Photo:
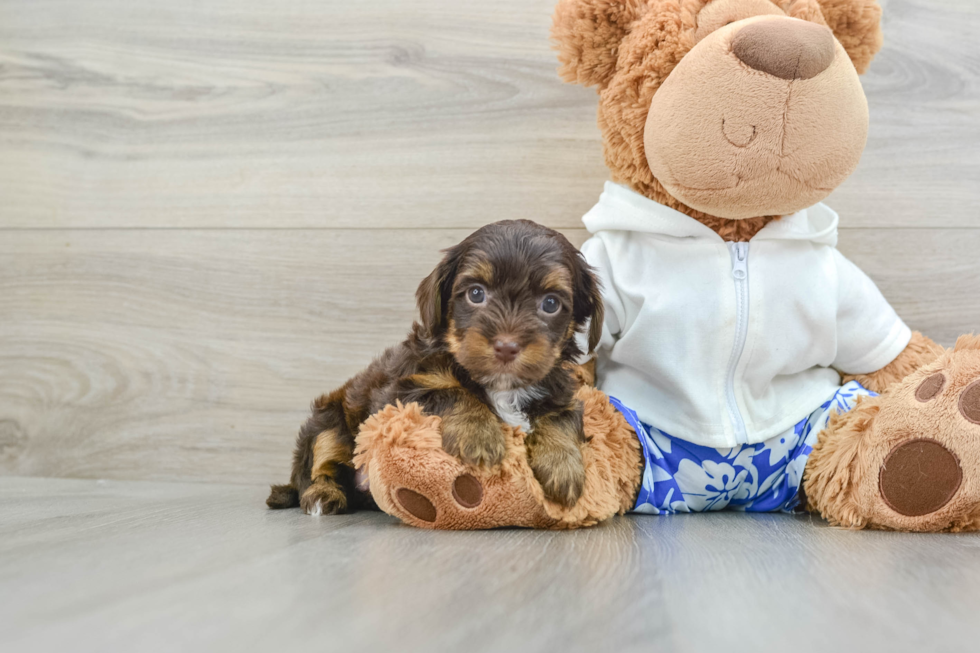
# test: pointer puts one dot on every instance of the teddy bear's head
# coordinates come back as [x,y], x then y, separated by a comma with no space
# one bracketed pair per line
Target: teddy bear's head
[728,109]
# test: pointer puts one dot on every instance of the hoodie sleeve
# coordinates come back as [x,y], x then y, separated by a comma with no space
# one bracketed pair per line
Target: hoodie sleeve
[594,250]
[870,335]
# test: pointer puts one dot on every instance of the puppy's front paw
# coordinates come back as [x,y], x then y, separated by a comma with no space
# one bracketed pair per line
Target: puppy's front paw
[486,449]
[561,473]
[475,441]
[324,497]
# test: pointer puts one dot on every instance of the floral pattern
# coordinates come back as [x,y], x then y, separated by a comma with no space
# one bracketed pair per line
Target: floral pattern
[683,477]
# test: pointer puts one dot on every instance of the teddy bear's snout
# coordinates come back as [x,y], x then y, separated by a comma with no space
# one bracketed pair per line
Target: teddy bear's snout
[763,116]
[787,49]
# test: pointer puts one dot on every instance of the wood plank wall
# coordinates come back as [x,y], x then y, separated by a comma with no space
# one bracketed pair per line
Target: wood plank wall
[212,210]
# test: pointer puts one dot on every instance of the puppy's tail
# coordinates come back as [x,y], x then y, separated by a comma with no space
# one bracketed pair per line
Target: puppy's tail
[283,496]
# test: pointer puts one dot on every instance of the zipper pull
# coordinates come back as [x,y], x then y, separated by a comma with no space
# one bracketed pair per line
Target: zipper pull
[740,261]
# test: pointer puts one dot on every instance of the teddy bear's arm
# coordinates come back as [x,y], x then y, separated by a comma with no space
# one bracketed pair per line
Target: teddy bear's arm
[920,351]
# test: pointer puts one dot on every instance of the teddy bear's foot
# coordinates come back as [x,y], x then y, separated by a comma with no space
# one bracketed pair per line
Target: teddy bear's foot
[413,478]
[909,459]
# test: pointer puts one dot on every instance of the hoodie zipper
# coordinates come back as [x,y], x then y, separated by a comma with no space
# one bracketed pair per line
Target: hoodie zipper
[740,273]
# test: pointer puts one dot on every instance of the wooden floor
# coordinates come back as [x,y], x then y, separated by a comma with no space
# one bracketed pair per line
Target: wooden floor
[136,566]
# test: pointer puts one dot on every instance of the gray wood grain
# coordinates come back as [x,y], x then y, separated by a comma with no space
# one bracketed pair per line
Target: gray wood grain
[323,113]
[211,211]
[193,354]
[921,165]
[129,566]
[429,113]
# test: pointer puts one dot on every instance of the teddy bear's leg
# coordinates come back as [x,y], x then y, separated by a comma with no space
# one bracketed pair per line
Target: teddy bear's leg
[908,459]
[399,450]
[399,453]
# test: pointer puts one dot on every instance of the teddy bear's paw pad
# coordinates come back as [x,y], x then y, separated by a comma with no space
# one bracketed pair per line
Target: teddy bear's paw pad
[468,491]
[930,387]
[969,403]
[919,476]
[416,504]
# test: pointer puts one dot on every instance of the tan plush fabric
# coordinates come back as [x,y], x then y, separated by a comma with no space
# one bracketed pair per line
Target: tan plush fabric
[732,141]
[400,449]
[718,13]
[628,48]
[847,470]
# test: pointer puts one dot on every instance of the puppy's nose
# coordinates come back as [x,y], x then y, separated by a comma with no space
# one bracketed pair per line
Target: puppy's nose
[506,349]
[785,48]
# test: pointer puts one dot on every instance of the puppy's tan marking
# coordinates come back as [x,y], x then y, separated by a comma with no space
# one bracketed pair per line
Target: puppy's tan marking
[481,271]
[452,342]
[439,380]
[475,353]
[329,452]
[538,355]
[558,280]
[570,331]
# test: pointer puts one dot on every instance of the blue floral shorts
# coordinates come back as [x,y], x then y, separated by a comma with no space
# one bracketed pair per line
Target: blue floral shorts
[683,477]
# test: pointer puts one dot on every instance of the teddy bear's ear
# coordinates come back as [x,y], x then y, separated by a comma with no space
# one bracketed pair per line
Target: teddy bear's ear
[857,25]
[587,34]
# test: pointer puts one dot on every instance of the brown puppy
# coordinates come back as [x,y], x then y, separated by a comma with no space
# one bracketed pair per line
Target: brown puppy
[495,344]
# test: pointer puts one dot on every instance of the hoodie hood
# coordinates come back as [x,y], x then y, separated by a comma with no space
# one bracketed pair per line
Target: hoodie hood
[622,209]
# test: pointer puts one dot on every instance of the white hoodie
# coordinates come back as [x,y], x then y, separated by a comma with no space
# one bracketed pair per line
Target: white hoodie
[724,343]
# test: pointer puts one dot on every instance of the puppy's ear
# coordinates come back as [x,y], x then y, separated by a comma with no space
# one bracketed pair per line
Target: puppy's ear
[434,292]
[587,300]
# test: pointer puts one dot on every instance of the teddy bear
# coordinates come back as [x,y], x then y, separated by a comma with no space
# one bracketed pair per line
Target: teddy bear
[744,363]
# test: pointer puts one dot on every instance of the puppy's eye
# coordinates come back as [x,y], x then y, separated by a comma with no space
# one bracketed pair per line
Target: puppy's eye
[476,295]
[550,304]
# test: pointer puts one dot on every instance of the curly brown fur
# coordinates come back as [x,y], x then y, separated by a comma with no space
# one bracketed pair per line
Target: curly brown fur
[498,318]
[835,469]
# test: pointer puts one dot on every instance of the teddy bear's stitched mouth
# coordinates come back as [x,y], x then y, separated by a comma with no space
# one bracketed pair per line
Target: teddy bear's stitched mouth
[739,181]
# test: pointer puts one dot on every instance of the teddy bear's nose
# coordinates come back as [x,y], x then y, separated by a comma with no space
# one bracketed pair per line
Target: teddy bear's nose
[785,48]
